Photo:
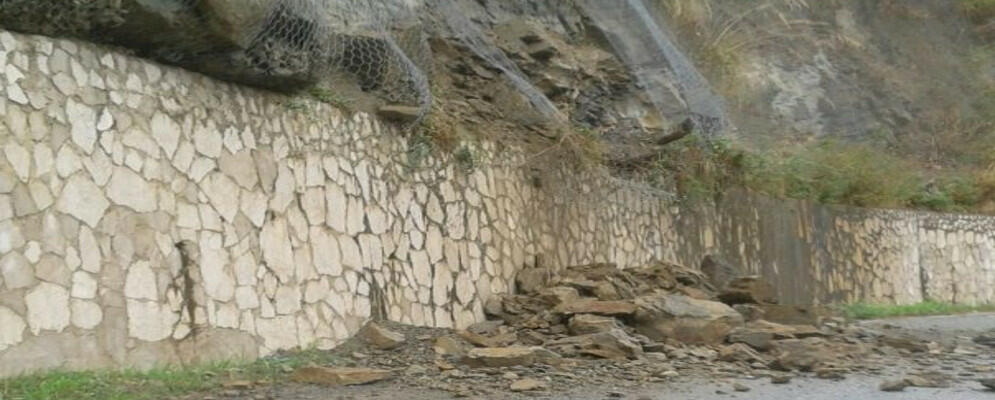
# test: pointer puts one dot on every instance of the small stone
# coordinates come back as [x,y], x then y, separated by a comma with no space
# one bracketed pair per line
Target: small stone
[497,357]
[527,384]
[780,379]
[329,376]
[583,324]
[380,337]
[670,374]
[237,385]
[597,307]
[739,387]
[416,370]
[893,385]
[834,374]
[450,346]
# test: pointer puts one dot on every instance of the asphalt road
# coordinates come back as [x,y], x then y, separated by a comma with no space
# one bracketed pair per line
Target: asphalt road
[939,328]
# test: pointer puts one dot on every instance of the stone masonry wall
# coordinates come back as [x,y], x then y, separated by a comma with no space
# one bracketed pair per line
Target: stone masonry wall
[149,215]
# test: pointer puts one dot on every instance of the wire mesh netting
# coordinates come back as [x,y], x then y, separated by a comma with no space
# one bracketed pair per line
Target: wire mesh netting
[280,44]
[654,59]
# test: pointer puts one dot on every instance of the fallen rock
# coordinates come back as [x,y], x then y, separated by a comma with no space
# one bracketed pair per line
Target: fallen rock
[497,357]
[613,344]
[398,113]
[584,324]
[450,346]
[893,385]
[928,380]
[527,384]
[329,376]
[795,315]
[829,373]
[904,343]
[985,339]
[801,354]
[559,295]
[694,321]
[380,337]
[988,383]
[780,379]
[485,327]
[533,280]
[718,271]
[598,307]
[738,352]
[502,340]
[748,290]
[739,387]
[750,312]
[761,334]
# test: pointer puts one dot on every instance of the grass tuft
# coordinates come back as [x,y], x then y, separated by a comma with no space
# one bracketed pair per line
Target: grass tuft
[879,311]
[156,384]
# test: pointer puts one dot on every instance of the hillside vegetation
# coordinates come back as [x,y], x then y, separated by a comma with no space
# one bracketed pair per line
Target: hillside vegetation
[876,104]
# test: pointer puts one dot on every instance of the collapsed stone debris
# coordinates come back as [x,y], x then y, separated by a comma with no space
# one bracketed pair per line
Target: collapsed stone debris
[599,323]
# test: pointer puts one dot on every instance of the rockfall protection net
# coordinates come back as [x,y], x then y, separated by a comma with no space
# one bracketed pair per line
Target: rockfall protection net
[280,44]
[457,17]
[378,44]
[650,52]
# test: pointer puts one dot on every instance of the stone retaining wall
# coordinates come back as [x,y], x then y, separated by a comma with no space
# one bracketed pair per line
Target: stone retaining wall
[149,215]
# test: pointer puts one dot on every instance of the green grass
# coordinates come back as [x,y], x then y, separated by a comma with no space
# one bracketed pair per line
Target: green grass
[878,311]
[828,172]
[978,10]
[164,383]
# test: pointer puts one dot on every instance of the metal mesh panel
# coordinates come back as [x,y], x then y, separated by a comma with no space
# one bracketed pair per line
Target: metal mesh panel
[288,44]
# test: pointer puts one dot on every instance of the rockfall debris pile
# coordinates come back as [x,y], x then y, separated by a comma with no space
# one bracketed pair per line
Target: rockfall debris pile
[623,328]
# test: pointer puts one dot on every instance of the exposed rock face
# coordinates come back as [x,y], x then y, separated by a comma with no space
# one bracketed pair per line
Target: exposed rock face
[684,319]
[235,21]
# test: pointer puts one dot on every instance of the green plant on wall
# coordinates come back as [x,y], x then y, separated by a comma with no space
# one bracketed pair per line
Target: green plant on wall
[466,158]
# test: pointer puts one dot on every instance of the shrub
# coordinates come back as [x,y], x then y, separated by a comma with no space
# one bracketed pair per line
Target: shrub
[978,11]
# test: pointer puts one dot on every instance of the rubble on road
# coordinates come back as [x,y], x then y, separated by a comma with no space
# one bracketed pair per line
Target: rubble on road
[598,324]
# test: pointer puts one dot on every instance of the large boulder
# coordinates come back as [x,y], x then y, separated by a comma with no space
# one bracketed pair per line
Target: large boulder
[718,271]
[688,320]
[748,290]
